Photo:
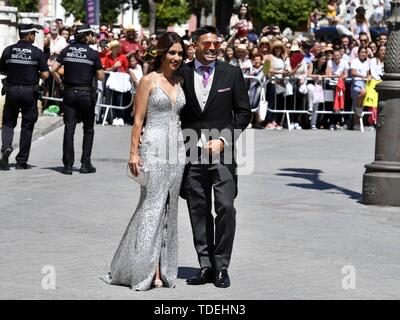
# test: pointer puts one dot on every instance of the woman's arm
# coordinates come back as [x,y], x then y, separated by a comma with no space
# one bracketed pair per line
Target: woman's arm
[234,21]
[310,70]
[374,69]
[355,74]
[115,66]
[141,99]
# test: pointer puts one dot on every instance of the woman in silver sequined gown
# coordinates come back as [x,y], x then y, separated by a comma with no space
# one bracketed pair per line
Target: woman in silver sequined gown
[149,247]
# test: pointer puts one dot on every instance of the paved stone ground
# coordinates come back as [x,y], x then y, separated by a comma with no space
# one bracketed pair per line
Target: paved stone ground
[299,222]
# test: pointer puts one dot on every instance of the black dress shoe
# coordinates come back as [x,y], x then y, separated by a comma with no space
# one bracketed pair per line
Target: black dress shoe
[204,276]
[4,159]
[87,168]
[222,279]
[22,166]
[67,170]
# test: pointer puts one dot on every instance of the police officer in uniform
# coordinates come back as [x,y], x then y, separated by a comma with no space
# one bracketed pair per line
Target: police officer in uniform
[81,65]
[23,64]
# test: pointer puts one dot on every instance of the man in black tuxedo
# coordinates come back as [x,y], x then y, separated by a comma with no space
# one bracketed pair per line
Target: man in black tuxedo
[217,110]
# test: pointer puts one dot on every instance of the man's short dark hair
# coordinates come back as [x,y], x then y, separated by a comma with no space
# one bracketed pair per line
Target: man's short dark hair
[362,48]
[24,35]
[81,37]
[307,45]
[362,33]
[383,34]
[203,30]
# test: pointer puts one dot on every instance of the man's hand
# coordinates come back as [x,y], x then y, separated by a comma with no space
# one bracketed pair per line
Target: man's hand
[214,147]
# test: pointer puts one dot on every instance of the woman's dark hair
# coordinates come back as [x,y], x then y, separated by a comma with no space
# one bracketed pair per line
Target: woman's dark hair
[273,52]
[377,50]
[234,53]
[259,55]
[321,55]
[166,41]
[360,15]
[317,69]
[362,47]
[247,16]
[65,29]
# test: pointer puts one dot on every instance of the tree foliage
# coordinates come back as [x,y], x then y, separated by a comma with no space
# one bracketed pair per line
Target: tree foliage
[24,5]
[75,7]
[109,9]
[168,12]
[197,6]
[284,13]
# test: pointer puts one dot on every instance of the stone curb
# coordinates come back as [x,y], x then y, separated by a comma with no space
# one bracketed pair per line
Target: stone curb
[43,126]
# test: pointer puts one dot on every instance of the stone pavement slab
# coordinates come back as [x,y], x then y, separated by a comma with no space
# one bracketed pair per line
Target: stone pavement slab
[43,126]
[299,223]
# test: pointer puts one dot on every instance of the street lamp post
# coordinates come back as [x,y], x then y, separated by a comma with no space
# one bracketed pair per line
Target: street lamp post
[381,180]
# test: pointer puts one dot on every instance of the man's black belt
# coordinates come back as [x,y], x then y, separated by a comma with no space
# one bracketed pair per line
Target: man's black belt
[20,85]
[79,88]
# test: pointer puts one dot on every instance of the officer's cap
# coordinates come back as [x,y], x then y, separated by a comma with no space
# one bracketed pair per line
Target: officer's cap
[84,28]
[27,28]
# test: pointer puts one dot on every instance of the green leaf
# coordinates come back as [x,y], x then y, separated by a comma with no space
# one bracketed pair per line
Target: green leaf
[284,13]
[168,12]
[24,5]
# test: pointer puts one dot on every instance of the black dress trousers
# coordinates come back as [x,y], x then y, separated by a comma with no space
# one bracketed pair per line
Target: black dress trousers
[201,179]
[78,106]
[19,98]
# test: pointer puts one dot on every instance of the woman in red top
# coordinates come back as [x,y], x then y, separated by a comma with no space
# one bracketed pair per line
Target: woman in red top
[115,60]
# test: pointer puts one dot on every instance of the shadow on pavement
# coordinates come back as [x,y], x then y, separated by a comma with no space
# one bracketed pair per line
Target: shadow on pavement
[312,175]
[59,169]
[187,272]
[13,165]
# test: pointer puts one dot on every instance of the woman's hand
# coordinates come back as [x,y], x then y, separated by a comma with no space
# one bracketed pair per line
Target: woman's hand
[117,64]
[134,164]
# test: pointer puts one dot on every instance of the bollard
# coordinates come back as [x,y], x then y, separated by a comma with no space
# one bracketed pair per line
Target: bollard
[381,180]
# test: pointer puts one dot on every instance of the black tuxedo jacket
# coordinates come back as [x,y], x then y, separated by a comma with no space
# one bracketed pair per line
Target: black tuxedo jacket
[227,110]
[227,107]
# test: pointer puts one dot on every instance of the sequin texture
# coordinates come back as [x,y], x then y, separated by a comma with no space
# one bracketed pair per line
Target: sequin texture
[151,236]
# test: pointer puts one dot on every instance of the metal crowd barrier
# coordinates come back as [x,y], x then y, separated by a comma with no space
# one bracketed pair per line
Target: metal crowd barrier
[105,96]
[262,90]
[329,94]
[108,94]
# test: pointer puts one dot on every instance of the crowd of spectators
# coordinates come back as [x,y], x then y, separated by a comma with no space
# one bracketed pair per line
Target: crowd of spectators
[291,68]
[336,47]
[123,52]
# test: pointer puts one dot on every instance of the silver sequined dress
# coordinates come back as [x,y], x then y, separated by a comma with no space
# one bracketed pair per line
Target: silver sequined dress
[151,235]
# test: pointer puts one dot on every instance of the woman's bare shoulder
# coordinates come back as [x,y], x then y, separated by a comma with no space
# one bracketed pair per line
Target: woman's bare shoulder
[149,80]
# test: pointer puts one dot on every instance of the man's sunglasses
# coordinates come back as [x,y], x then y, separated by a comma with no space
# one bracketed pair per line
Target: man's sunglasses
[207,44]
